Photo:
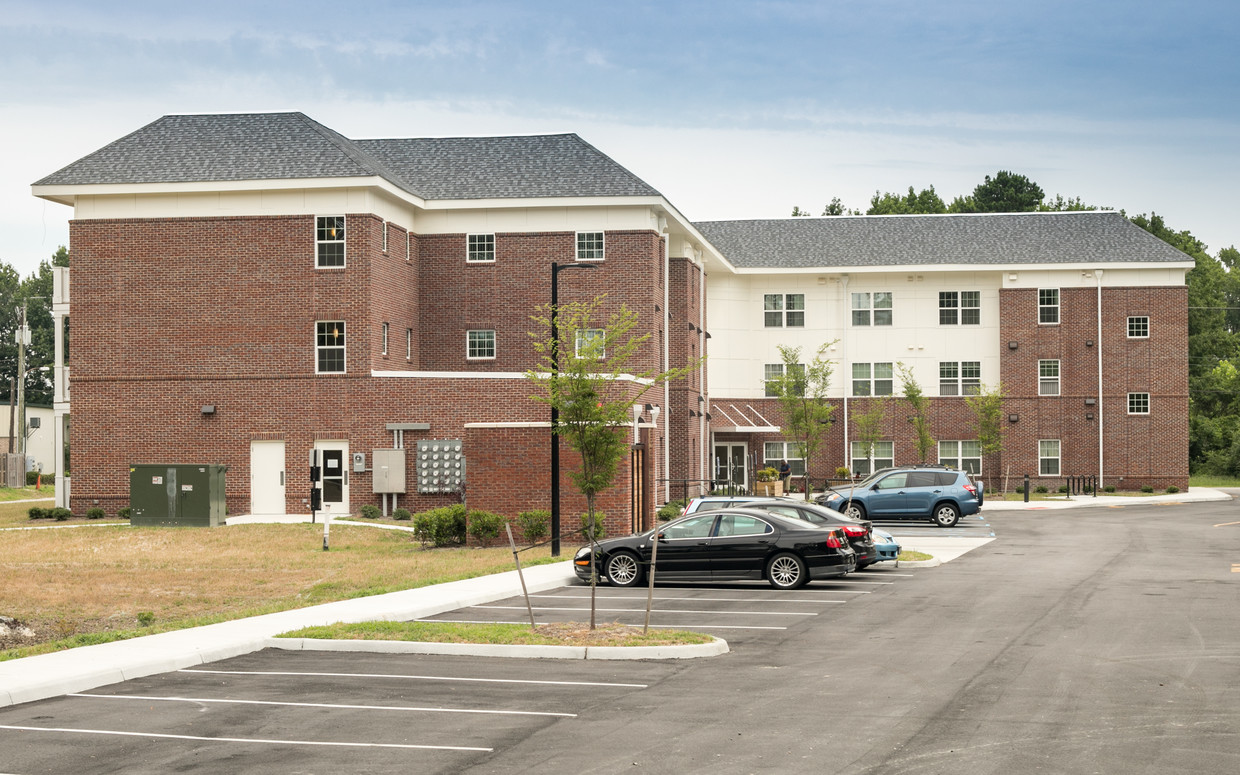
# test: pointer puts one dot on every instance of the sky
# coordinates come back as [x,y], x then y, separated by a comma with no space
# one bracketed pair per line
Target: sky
[730,109]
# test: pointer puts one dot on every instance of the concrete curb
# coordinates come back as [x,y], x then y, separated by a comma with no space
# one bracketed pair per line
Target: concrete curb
[691,651]
[933,562]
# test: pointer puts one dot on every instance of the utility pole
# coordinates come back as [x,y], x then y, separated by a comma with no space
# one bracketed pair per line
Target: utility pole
[23,339]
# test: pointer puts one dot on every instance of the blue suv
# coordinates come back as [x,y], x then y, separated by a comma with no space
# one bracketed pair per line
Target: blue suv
[939,494]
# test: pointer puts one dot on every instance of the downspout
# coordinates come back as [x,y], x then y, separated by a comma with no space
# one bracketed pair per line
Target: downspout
[667,388]
[704,406]
[846,307]
[1101,446]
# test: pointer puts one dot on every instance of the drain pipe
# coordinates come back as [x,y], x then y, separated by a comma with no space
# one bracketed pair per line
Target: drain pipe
[846,306]
[1101,445]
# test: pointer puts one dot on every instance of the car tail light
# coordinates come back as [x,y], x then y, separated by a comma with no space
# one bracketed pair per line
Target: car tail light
[972,489]
[856,531]
[835,540]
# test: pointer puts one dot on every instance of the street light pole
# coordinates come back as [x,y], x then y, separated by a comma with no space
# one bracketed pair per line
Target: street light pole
[555,411]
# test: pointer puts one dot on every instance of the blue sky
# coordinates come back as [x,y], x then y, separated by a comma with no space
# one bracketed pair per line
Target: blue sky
[731,109]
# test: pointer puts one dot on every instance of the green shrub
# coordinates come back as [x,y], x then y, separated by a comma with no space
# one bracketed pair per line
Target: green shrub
[444,526]
[599,530]
[424,528]
[1020,490]
[402,515]
[1041,488]
[1173,489]
[485,525]
[1063,488]
[1147,488]
[1109,488]
[670,510]
[95,513]
[38,512]
[146,618]
[370,511]
[124,512]
[60,514]
[535,525]
[32,478]
[1087,489]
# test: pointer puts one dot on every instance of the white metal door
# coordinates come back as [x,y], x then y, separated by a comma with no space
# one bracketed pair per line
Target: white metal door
[334,456]
[267,477]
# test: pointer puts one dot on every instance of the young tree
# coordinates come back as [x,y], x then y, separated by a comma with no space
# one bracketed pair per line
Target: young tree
[592,376]
[920,405]
[869,425]
[802,392]
[987,408]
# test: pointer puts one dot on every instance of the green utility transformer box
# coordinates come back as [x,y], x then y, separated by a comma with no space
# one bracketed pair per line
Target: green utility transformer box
[176,495]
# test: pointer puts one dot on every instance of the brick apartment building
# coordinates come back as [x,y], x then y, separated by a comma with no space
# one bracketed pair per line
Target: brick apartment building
[247,288]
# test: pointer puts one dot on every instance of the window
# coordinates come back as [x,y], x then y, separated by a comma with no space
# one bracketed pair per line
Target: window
[774,372]
[1048,378]
[385,339]
[1139,327]
[1048,306]
[1048,457]
[385,236]
[408,344]
[875,307]
[1138,403]
[480,344]
[693,527]
[965,455]
[742,525]
[781,310]
[775,452]
[960,308]
[589,246]
[960,379]
[871,379]
[329,241]
[329,346]
[480,248]
[591,341]
[881,456]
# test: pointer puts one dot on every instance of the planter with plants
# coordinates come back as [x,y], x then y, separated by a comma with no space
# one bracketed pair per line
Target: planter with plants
[768,482]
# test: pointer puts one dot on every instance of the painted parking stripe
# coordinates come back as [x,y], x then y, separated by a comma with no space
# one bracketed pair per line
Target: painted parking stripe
[388,676]
[763,600]
[653,626]
[660,610]
[323,705]
[264,741]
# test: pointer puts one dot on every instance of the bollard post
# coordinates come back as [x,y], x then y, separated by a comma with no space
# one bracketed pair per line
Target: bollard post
[1026,488]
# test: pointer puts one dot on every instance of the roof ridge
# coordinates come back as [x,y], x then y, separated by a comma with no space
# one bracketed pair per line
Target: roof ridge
[350,148]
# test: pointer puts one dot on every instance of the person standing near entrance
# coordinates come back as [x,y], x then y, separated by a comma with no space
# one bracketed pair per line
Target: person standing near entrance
[785,471]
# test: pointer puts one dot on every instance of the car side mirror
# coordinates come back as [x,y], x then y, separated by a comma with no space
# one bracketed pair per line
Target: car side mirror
[662,537]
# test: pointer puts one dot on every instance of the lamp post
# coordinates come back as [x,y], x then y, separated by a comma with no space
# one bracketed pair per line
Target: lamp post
[555,411]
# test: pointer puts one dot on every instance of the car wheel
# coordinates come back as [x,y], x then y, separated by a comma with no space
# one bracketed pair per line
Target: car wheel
[624,570]
[862,565]
[786,571]
[946,515]
[855,511]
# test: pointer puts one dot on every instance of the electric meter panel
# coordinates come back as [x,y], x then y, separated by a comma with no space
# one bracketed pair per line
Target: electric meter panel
[440,465]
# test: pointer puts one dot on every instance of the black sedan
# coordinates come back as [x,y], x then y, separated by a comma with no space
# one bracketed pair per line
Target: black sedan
[728,544]
[860,532]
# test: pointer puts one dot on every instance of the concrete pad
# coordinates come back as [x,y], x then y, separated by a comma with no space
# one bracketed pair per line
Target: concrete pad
[691,651]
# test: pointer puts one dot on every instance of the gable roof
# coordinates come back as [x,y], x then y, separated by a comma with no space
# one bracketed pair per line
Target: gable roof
[1090,237]
[291,146]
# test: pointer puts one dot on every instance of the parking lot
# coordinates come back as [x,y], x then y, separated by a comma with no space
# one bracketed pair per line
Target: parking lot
[279,711]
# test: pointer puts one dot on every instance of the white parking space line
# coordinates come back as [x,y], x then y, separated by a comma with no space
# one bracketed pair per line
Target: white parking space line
[146,698]
[264,741]
[389,676]
[864,581]
[659,610]
[653,626]
[764,600]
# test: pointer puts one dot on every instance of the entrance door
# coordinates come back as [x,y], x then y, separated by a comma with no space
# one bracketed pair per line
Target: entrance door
[333,455]
[267,477]
[730,468]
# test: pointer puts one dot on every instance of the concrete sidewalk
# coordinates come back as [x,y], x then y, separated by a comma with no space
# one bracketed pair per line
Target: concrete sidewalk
[1192,495]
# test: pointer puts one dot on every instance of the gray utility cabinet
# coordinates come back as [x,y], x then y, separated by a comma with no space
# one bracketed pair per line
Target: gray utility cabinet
[176,495]
[389,471]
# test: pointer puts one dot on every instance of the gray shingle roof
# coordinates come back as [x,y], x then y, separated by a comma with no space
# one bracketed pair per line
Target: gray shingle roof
[913,240]
[275,146]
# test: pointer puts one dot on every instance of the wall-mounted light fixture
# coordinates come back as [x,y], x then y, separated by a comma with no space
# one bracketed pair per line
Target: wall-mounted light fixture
[1013,417]
[1089,415]
[1013,345]
[1091,401]
[209,409]
[1089,342]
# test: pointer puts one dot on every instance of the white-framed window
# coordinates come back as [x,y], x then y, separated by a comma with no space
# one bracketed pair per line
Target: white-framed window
[329,347]
[882,455]
[480,344]
[872,379]
[775,452]
[408,344]
[408,246]
[590,341]
[773,372]
[1139,327]
[589,246]
[871,308]
[1048,378]
[964,455]
[385,236]
[480,248]
[1048,457]
[963,308]
[329,241]
[960,378]
[385,339]
[1138,403]
[781,310]
[1048,306]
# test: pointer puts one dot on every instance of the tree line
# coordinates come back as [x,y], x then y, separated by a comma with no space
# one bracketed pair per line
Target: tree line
[1213,302]
[34,292]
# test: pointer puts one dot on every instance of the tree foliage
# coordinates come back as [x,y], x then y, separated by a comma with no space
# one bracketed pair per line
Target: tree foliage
[988,423]
[920,405]
[924,202]
[802,392]
[1006,192]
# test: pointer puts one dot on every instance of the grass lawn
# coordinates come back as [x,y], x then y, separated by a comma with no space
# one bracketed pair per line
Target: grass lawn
[76,587]
[1205,480]
[559,634]
[27,493]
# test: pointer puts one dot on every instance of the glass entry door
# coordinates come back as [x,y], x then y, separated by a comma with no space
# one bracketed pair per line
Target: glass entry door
[730,465]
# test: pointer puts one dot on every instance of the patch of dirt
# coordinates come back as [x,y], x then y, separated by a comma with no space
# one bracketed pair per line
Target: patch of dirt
[14,633]
[580,634]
